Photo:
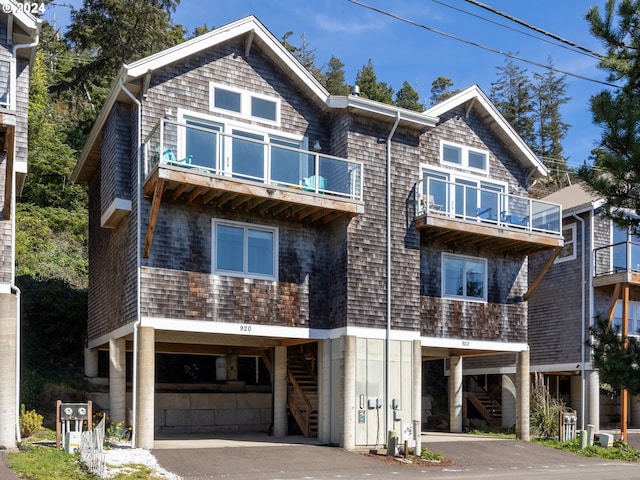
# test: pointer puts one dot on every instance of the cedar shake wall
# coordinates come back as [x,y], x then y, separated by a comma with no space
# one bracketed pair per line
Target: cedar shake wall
[179,283]
[555,308]
[112,252]
[116,163]
[503,317]
[5,228]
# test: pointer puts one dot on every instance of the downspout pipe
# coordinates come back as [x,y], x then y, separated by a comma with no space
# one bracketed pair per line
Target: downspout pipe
[583,331]
[387,365]
[134,386]
[14,288]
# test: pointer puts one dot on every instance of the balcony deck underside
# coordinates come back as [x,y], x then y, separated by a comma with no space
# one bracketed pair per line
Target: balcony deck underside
[471,236]
[605,280]
[264,199]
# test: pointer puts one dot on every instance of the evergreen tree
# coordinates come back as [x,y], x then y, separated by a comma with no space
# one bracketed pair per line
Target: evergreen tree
[334,78]
[550,93]
[370,88]
[617,358]
[512,95]
[441,90]
[408,98]
[304,54]
[615,171]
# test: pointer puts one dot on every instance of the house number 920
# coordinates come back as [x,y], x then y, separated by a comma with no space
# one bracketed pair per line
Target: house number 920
[245,328]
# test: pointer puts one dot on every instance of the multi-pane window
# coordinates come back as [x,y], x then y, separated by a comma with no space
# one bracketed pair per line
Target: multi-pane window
[568,252]
[245,250]
[634,318]
[464,156]
[464,277]
[245,104]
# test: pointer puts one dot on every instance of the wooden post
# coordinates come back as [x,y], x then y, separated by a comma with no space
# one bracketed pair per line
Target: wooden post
[58,425]
[625,333]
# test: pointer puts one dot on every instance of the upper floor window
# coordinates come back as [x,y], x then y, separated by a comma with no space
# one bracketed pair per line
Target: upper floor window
[462,156]
[464,277]
[568,252]
[245,104]
[634,318]
[245,250]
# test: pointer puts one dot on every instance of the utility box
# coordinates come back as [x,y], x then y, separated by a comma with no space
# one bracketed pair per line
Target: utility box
[606,440]
[72,442]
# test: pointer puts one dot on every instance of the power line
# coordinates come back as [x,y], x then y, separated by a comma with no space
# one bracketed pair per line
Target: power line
[478,45]
[532,27]
[560,45]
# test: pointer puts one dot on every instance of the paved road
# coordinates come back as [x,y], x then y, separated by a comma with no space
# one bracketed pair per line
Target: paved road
[475,459]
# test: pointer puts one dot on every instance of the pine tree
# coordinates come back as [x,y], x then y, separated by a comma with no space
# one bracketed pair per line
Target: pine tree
[370,88]
[615,171]
[334,78]
[441,90]
[512,95]
[408,98]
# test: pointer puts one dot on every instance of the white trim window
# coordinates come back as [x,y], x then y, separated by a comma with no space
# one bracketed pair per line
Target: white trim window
[463,156]
[226,99]
[568,252]
[634,318]
[464,277]
[244,250]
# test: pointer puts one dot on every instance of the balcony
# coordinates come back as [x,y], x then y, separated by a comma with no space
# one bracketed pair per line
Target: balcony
[473,218]
[617,263]
[245,172]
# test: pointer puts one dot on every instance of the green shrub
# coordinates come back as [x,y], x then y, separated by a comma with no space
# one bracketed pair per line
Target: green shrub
[544,410]
[30,422]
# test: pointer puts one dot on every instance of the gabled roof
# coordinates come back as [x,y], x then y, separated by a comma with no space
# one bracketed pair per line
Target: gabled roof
[575,199]
[23,27]
[473,98]
[132,77]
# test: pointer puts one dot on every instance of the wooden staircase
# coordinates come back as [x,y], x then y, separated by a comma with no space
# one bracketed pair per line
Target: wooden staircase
[302,386]
[487,406]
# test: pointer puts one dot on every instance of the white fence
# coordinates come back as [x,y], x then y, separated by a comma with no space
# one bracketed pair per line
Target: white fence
[91,452]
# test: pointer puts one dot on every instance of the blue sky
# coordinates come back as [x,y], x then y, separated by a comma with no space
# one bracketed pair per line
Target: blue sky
[401,51]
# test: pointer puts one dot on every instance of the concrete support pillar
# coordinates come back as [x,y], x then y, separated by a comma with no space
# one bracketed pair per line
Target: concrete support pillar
[232,367]
[508,402]
[146,388]
[117,380]
[455,394]
[593,399]
[91,362]
[348,441]
[417,393]
[8,379]
[324,391]
[280,427]
[522,395]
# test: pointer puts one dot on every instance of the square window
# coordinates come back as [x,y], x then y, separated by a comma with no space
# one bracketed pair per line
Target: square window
[227,99]
[245,250]
[477,160]
[464,277]
[568,252]
[451,154]
[263,108]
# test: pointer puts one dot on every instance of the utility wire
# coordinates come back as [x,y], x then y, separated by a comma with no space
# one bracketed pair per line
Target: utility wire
[560,45]
[532,27]
[484,47]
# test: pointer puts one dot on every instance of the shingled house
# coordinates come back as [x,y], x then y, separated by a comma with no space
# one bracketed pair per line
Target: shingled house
[18,41]
[315,248]
[599,270]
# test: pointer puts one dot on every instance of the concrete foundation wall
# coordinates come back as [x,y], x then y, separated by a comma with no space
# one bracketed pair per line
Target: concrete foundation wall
[8,413]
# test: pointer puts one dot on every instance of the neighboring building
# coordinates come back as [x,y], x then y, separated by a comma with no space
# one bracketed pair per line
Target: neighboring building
[18,40]
[598,271]
[314,248]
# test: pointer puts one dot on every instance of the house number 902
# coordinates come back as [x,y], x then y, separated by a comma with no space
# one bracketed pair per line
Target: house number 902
[245,328]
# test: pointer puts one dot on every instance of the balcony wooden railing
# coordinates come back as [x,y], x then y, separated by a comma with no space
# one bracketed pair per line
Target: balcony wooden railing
[246,157]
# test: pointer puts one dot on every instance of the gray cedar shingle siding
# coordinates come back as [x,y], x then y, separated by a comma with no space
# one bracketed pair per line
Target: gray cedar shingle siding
[116,153]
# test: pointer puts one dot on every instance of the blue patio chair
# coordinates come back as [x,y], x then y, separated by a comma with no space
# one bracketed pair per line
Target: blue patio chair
[309,183]
[485,214]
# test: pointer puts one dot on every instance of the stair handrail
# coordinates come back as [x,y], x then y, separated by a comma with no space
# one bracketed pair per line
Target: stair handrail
[491,396]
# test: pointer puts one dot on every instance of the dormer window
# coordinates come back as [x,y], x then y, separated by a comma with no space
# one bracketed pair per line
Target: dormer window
[454,154]
[245,104]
